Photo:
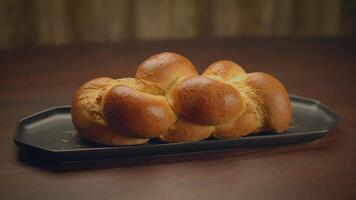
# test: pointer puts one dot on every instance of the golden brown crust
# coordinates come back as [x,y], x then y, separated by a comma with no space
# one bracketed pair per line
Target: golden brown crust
[225,69]
[168,100]
[164,69]
[206,101]
[185,131]
[140,114]
[87,118]
[241,126]
[275,100]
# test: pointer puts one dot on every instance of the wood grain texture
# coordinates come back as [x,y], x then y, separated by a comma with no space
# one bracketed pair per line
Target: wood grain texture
[331,17]
[100,20]
[13,24]
[224,18]
[283,17]
[306,22]
[162,19]
[50,22]
[323,69]
[60,22]
[348,18]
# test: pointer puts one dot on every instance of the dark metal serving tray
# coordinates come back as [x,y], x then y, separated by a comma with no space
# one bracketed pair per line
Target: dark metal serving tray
[51,134]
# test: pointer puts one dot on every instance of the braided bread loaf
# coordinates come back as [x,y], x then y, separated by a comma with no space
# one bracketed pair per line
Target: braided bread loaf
[168,100]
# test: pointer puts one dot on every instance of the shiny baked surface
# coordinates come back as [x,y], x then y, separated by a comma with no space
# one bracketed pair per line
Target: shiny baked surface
[167,99]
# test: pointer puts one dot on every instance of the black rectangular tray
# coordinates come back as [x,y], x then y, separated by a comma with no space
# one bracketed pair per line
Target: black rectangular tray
[50,133]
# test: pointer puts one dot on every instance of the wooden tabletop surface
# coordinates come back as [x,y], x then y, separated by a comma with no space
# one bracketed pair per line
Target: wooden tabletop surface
[324,69]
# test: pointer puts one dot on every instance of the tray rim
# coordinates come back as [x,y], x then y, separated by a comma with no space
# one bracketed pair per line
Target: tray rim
[21,143]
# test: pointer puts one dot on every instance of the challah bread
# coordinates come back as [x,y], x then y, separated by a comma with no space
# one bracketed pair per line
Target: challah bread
[87,116]
[168,100]
[206,101]
[140,114]
[267,105]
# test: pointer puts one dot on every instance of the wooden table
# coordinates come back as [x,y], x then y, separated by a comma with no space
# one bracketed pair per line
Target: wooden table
[323,69]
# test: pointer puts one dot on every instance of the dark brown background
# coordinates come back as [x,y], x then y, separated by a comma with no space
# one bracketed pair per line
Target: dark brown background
[28,23]
[324,69]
